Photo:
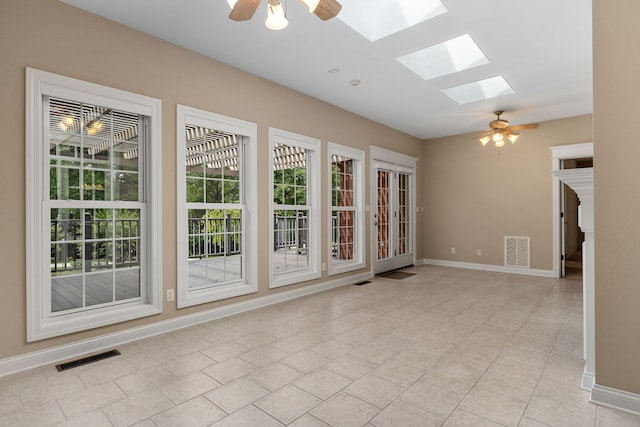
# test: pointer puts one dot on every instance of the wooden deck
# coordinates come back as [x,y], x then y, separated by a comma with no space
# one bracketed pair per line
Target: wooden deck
[66,290]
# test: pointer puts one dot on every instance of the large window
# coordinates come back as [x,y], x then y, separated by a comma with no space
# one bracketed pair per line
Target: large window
[92,199]
[346,214]
[295,199]
[216,197]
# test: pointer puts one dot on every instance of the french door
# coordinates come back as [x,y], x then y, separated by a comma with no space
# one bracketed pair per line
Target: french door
[393,216]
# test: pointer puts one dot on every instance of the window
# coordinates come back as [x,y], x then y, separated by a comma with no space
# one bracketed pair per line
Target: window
[295,199]
[93,205]
[346,215]
[216,175]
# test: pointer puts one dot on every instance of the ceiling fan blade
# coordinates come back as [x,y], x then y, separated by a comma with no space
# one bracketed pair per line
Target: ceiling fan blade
[327,9]
[244,10]
[527,126]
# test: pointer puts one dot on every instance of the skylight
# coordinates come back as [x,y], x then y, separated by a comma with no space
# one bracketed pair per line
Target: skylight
[375,19]
[477,91]
[445,58]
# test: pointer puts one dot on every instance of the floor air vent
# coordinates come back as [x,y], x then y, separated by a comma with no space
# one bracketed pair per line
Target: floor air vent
[516,251]
[87,360]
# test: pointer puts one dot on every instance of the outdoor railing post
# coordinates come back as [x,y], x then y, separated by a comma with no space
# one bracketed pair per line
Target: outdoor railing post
[227,240]
[88,228]
[275,231]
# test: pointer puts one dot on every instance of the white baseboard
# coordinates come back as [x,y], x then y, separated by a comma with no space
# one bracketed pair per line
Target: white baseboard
[614,398]
[488,267]
[73,350]
[588,380]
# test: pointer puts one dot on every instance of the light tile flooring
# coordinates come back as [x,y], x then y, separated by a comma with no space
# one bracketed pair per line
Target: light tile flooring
[446,347]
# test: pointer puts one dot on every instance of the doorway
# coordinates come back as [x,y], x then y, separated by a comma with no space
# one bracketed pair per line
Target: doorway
[565,209]
[393,213]
[572,236]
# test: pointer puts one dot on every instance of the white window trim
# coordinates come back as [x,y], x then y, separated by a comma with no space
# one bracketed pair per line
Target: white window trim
[358,176]
[313,200]
[187,115]
[40,323]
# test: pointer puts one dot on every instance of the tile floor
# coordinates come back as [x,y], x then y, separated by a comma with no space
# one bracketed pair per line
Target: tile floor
[446,347]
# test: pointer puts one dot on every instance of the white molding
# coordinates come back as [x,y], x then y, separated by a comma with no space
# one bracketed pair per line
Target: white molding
[487,267]
[41,323]
[581,181]
[572,151]
[588,380]
[35,359]
[614,398]
[378,153]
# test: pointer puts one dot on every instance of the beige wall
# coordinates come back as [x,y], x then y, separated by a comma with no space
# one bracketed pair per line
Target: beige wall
[617,194]
[475,195]
[54,37]
[472,196]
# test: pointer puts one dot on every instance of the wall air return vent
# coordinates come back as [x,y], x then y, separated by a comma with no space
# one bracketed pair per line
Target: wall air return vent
[516,251]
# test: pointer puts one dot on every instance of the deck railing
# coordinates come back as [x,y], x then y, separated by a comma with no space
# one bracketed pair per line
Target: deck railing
[290,232]
[214,236]
[99,242]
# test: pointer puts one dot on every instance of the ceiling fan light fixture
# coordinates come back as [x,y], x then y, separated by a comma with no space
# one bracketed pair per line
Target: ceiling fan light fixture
[276,18]
[232,3]
[500,131]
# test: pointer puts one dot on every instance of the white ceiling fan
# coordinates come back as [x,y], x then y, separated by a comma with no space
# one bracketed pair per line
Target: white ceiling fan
[500,130]
[243,10]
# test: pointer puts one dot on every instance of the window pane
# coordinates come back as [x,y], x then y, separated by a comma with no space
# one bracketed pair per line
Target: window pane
[195,190]
[99,288]
[66,293]
[215,238]
[382,215]
[64,183]
[290,240]
[127,284]
[403,214]
[231,192]
[343,235]
[342,179]
[125,186]
[214,191]
[96,185]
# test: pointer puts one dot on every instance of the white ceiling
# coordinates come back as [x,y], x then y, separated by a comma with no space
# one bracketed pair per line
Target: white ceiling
[541,47]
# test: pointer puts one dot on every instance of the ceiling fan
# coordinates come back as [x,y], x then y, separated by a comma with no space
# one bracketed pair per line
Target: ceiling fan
[500,130]
[243,10]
